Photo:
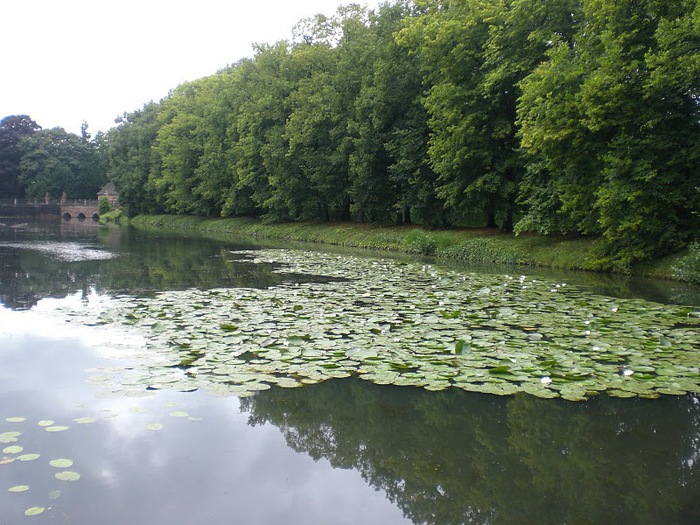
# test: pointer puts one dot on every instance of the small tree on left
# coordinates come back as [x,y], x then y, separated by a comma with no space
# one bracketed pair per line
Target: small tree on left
[12,130]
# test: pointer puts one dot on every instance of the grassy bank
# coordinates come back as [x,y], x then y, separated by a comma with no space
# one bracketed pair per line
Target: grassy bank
[473,245]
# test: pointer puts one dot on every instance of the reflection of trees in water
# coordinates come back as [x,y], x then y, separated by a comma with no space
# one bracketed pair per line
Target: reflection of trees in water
[24,279]
[612,285]
[144,264]
[454,457]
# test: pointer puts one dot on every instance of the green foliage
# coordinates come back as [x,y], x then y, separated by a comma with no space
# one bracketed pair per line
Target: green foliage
[420,242]
[428,242]
[103,205]
[12,130]
[486,250]
[576,117]
[116,216]
[55,162]
[132,160]
[611,125]
[688,268]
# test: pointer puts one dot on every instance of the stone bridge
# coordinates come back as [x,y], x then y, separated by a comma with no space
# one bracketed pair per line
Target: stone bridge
[67,209]
[79,209]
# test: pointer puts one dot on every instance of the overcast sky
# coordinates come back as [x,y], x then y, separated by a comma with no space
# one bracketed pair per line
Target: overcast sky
[63,62]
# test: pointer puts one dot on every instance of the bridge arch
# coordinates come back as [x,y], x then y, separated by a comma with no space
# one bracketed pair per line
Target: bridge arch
[66,216]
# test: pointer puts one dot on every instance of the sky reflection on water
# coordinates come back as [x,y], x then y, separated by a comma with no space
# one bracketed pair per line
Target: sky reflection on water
[215,470]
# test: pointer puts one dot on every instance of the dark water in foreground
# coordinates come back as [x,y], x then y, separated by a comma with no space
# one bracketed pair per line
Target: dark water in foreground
[342,451]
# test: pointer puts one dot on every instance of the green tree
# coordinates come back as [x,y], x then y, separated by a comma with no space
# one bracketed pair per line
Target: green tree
[258,156]
[316,131]
[178,148]
[611,125]
[56,162]
[390,179]
[473,56]
[449,37]
[12,130]
[132,159]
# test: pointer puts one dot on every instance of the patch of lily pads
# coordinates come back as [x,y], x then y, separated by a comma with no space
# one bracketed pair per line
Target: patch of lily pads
[407,324]
[14,453]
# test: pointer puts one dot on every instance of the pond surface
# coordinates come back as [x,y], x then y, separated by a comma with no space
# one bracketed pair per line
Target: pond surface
[155,378]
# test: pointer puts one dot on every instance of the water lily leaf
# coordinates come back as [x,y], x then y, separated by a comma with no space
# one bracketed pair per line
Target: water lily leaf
[67,475]
[28,457]
[33,511]
[15,419]
[179,413]
[57,428]
[16,449]
[154,426]
[405,324]
[45,423]
[9,437]
[55,494]
[61,463]
[18,488]
[84,420]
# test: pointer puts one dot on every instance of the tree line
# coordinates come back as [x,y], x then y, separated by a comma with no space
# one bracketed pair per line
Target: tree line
[575,117]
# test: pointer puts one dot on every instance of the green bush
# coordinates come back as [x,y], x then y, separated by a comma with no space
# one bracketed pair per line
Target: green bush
[422,243]
[688,268]
[103,205]
[484,250]
[116,216]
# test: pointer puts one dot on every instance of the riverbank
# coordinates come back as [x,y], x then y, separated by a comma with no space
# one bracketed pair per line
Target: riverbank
[469,245]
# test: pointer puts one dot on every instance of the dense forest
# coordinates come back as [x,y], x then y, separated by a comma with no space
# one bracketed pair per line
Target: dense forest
[575,117]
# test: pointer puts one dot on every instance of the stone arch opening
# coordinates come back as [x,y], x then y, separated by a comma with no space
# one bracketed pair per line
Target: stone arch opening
[66,216]
[81,216]
[95,217]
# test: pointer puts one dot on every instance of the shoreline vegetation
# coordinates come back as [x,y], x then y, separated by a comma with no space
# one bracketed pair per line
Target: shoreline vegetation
[474,245]
[574,126]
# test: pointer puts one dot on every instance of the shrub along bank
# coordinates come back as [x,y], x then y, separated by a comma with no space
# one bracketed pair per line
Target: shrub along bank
[469,245]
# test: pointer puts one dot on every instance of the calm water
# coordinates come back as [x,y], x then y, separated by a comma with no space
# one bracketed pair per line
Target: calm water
[342,451]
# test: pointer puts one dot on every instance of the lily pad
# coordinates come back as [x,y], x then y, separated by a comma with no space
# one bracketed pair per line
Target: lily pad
[57,428]
[9,437]
[18,488]
[84,420]
[33,511]
[28,457]
[67,475]
[429,327]
[15,419]
[16,449]
[61,463]
[154,426]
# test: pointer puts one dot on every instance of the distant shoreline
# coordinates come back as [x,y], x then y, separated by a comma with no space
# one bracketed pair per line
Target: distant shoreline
[477,245]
